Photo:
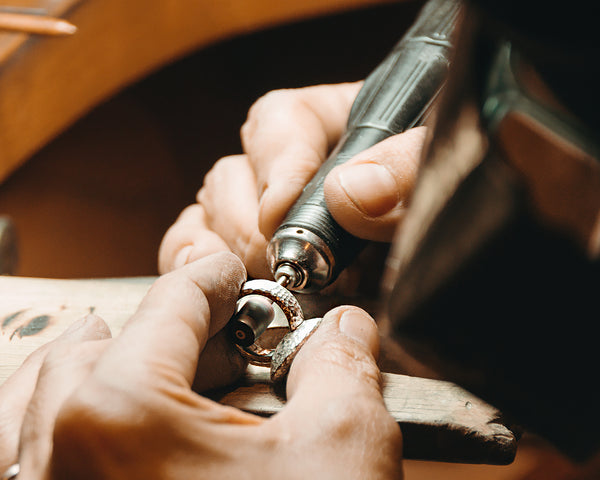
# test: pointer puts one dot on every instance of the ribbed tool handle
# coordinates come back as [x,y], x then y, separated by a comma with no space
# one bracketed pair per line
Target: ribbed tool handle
[396,96]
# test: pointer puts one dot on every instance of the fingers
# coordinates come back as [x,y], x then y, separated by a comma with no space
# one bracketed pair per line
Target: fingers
[17,391]
[224,219]
[334,395]
[230,199]
[287,136]
[368,195]
[15,394]
[65,368]
[160,345]
[189,238]
[219,364]
[339,359]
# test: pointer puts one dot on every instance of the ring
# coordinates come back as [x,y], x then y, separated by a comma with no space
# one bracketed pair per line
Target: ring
[260,352]
[288,347]
[11,472]
[279,295]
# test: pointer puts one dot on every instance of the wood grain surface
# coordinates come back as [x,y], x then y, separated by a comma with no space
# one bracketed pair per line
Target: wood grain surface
[440,420]
[34,311]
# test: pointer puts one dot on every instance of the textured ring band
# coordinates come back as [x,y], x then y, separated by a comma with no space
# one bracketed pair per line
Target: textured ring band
[11,472]
[280,296]
[258,354]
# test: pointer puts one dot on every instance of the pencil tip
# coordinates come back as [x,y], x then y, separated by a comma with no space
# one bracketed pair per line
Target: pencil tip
[66,28]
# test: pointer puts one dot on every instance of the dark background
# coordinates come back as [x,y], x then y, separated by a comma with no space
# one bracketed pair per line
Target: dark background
[107,189]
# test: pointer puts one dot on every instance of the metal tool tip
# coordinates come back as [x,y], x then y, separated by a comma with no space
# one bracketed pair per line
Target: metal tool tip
[287,276]
[283,280]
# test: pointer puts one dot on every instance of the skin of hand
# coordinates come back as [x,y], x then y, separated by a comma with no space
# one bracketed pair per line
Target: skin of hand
[127,407]
[287,136]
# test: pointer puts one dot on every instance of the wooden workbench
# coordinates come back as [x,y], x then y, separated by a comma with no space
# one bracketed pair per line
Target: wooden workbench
[48,83]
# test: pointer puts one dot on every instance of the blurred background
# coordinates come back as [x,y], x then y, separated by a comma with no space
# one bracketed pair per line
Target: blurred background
[96,201]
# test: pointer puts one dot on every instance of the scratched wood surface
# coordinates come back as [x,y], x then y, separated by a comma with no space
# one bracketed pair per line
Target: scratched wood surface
[34,311]
[440,420]
[48,83]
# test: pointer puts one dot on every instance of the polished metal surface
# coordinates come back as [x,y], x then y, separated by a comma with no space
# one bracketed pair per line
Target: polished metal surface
[251,319]
[305,254]
[288,347]
[260,352]
[279,295]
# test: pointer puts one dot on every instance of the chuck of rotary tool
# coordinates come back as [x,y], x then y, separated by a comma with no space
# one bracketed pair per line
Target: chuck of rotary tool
[300,260]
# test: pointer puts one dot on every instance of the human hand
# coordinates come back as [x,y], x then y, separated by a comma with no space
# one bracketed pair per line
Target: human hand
[127,409]
[71,355]
[286,138]
[31,398]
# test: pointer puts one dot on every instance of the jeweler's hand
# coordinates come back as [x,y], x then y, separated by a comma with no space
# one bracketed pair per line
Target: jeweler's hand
[31,398]
[130,412]
[286,138]
[71,354]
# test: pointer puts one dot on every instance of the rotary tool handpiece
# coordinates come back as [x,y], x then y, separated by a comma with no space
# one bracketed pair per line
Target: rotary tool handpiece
[309,249]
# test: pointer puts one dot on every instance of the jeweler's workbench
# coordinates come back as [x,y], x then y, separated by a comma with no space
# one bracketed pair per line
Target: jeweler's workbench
[439,419]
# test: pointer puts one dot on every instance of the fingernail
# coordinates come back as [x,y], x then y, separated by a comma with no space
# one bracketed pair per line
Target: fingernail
[75,326]
[371,187]
[182,257]
[358,326]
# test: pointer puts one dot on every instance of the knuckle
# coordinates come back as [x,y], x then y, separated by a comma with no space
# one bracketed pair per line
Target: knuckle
[99,413]
[180,229]
[218,177]
[269,103]
[172,243]
[247,129]
[271,99]
[357,362]
[203,195]
[210,178]
[340,420]
[389,431]
[187,292]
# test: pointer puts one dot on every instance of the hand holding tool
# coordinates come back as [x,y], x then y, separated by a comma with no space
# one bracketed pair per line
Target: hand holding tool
[310,249]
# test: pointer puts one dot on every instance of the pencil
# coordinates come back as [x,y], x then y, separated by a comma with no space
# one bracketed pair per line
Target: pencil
[39,24]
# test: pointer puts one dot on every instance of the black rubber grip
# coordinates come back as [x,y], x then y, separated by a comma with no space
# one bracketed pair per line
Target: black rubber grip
[396,96]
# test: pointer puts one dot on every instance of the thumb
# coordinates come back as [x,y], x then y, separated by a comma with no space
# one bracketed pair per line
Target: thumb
[335,403]
[338,359]
[368,195]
